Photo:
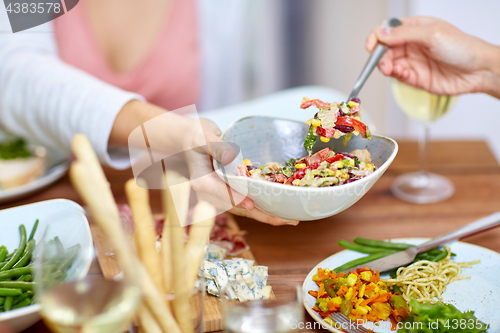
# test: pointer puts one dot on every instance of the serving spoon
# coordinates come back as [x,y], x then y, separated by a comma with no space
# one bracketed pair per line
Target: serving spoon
[372,61]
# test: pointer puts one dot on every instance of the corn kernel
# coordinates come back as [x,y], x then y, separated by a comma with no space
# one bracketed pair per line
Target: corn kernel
[355,133]
[338,164]
[349,294]
[383,292]
[330,321]
[358,118]
[247,162]
[362,310]
[316,122]
[366,275]
[362,290]
[352,104]
[309,122]
[337,134]
[324,139]
[369,167]
[300,166]
[351,279]
[337,300]
[296,182]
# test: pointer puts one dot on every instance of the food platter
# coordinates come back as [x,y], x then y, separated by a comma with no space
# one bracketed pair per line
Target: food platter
[56,167]
[67,221]
[480,293]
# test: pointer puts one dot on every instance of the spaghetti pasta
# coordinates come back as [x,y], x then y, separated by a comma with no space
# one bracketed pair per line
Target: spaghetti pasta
[426,281]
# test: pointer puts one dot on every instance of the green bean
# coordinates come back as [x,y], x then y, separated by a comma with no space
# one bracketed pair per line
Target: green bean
[28,252]
[15,272]
[3,253]
[33,230]
[362,260]
[8,303]
[26,278]
[10,292]
[59,246]
[381,244]
[10,254]
[17,285]
[23,296]
[68,261]
[23,303]
[18,252]
[360,248]
[440,256]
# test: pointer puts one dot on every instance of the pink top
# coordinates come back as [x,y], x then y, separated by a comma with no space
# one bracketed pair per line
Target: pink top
[169,76]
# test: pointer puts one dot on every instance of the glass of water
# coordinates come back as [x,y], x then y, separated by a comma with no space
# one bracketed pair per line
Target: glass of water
[281,313]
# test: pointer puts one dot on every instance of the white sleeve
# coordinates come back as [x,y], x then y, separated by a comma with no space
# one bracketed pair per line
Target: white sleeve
[47,101]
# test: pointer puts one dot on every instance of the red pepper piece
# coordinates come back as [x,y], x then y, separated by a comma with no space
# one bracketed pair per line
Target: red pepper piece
[358,126]
[335,158]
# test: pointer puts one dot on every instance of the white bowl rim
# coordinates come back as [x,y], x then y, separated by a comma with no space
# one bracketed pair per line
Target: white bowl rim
[30,309]
[381,169]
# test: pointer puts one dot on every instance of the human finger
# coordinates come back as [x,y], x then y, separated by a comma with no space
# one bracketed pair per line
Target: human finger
[404,34]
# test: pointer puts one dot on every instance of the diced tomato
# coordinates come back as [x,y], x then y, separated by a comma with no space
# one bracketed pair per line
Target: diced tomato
[280,178]
[335,158]
[325,132]
[242,170]
[358,126]
[320,156]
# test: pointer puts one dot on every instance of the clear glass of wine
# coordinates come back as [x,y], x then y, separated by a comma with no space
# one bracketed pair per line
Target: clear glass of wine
[281,313]
[74,302]
[422,186]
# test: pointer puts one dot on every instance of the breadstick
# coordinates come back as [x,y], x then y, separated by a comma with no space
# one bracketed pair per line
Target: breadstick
[88,178]
[199,236]
[148,323]
[145,231]
[181,305]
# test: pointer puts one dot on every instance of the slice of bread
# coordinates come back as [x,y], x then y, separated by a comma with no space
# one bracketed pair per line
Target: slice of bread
[20,171]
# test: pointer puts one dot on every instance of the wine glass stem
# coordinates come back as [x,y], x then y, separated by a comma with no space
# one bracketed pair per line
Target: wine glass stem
[424,153]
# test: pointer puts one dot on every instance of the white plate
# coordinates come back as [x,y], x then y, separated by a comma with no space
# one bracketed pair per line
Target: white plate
[59,217]
[57,165]
[481,293]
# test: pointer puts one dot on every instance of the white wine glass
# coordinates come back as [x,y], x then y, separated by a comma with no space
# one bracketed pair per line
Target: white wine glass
[422,186]
[72,303]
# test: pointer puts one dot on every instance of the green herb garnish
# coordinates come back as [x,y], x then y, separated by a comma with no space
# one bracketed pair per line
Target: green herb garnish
[289,169]
[12,149]
[310,141]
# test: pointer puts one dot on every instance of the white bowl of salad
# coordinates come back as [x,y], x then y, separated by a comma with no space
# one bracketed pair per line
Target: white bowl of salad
[309,179]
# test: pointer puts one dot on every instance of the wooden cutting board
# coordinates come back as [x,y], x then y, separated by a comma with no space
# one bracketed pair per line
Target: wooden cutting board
[212,319]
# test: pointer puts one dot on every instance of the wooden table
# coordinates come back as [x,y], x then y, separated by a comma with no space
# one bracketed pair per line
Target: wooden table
[291,252]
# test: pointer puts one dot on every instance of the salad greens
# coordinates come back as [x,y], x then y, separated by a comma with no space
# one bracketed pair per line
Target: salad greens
[12,149]
[440,317]
[310,141]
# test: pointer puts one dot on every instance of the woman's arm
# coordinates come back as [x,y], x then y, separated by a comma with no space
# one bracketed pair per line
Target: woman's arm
[48,101]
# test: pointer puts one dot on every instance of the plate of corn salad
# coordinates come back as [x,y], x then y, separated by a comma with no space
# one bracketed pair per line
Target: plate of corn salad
[323,169]
[334,120]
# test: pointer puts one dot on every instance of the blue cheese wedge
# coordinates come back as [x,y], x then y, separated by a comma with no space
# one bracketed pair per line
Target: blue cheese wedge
[215,252]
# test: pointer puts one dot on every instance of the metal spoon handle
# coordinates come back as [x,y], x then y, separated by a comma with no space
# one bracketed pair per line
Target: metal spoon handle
[487,222]
[372,61]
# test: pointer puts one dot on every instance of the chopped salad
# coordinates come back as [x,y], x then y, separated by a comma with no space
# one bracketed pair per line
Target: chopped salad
[324,168]
[334,120]
[359,295]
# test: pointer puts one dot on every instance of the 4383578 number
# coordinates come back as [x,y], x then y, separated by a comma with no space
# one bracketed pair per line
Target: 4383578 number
[26,7]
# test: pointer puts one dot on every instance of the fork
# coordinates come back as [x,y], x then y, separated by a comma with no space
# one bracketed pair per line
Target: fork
[347,325]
